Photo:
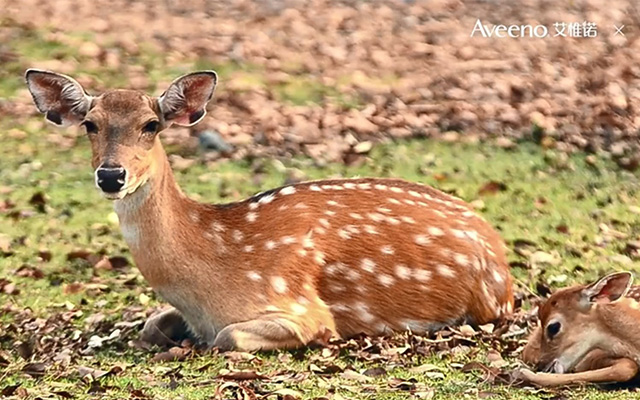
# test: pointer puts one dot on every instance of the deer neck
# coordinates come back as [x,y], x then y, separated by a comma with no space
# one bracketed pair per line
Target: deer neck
[154,215]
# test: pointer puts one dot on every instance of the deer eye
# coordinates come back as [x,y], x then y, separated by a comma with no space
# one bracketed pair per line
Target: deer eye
[553,329]
[151,127]
[90,127]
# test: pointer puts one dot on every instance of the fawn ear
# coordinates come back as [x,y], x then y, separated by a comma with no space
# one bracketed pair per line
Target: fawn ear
[185,101]
[609,288]
[59,97]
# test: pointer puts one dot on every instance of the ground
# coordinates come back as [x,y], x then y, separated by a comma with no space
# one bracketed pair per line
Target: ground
[73,304]
[541,136]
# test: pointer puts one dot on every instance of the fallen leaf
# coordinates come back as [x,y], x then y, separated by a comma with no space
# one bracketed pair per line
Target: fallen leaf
[34,369]
[242,376]
[492,187]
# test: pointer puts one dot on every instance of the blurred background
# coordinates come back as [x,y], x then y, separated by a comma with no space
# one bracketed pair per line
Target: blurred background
[323,77]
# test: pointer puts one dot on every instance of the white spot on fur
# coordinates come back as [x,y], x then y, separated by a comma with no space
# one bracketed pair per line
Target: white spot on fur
[251,217]
[408,220]
[319,230]
[393,221]
[287,240]
[355,216]
[333,203]
[439,213]
[414,193]
[363,312]
[381,187]
[253,206]
[377,217]
[402,271]
[315,188]
[396,189]
[421,275]
[387,249]
[300,206]
[422,240]
[279,284]
[497,277]
[269,245]
[461,259]
[368,265]
[319,257]
[298,309]
[445,270]
[458,233]
[370,229]
[324,222]
[307,241]
[409,202]
[248,248]
[329,213]
[353,275]
[254,276]
[338,288]
[394,201]
[364,186]
[349,185]
[383,210]
[237,236]
[287,190]
[435,231]
[344,234]
[385,280]
[468,214]
[266,199]
[340,308]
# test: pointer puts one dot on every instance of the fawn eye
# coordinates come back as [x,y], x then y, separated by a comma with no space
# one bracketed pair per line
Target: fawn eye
[553,329]
[151,127]
[90,127]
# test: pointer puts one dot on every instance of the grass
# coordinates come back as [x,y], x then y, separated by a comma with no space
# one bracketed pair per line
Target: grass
[555,205]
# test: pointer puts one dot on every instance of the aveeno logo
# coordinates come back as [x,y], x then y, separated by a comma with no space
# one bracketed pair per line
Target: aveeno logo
[512,31]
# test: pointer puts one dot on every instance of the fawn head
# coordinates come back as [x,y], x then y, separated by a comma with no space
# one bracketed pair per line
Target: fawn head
[569,328]
[122,125]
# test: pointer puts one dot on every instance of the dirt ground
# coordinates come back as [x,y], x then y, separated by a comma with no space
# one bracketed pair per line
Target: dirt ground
[397,69]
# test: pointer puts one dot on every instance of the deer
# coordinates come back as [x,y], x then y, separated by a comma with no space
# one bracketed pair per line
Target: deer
[287,267]
[587,334]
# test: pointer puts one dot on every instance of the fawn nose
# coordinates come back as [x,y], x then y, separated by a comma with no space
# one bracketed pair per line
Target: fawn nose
[110,178]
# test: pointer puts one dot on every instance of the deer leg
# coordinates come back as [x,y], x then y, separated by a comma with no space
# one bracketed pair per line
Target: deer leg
[273,331]
[620,370]
[166,328]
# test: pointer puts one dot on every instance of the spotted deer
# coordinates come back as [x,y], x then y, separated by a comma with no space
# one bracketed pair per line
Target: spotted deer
[288,266]
[587,333]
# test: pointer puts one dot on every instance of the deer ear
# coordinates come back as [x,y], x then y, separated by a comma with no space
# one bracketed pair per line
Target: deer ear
[185,101]
[60,98]
[609,288]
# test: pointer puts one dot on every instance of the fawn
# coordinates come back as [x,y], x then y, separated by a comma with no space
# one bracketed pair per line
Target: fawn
[590,330]
[288,266]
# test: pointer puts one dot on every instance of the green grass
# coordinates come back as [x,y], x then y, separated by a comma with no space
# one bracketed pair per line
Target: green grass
[555,204]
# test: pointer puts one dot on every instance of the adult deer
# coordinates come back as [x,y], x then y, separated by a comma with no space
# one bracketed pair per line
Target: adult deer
[288,266]
[587,333]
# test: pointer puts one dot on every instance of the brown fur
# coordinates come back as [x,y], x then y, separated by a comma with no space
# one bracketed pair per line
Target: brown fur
[283,268]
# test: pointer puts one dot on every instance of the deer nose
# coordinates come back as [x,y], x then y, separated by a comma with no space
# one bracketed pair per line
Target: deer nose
[110,178]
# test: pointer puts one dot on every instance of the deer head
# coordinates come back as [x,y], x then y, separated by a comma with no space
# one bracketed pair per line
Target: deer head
[571,326]
[122,125]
